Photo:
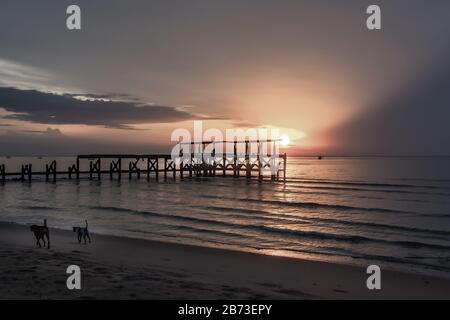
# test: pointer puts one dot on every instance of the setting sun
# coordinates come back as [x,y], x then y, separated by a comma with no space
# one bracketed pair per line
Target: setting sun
[285,140]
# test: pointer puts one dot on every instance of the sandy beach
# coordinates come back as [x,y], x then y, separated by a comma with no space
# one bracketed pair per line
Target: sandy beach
[121,268]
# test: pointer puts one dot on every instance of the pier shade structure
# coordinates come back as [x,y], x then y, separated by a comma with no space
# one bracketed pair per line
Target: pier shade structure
[247,158]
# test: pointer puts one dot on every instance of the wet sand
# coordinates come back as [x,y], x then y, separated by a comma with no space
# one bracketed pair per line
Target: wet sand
[122,268]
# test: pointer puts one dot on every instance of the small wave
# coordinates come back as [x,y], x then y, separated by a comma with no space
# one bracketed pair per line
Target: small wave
[365,184]
[381,226]
[315,205]
[392,259]
[300,186]
[350,238]
[232,209]
[287,232]
[335,221]
[37,208]
[438,215]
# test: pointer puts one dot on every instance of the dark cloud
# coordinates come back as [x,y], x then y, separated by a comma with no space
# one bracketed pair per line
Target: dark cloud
[412,121]
[46,108]
[245,124]
[105,97]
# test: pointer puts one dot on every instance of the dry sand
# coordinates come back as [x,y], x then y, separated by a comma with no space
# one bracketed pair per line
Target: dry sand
[120,268]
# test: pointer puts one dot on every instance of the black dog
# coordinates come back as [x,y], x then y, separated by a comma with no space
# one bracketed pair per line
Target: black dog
[82,233]
[40,232]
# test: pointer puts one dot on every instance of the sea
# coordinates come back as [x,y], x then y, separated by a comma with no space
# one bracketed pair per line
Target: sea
[393,212]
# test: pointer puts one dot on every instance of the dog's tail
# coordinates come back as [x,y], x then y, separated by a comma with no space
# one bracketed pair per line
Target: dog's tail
[86,223]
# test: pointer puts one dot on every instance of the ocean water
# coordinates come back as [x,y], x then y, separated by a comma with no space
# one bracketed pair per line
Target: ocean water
[394,212]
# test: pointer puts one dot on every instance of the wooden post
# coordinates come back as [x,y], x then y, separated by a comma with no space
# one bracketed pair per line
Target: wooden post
[191,164]
[50,169]
[99,163]
[181,154]
[152,165]
[181,168]
[248,164]
[214,164]
[26,171]
[115,166]
[133,166]
[235,160]
[90,170]
[120,168]
[130,170]
[258,161]
[95,167]
[78,168]
[278,169]
[71,170]
[2,173]
[165,168]
[224,161]
[273,175]
[157,168]
[204,164]
[111,170]
[174,163]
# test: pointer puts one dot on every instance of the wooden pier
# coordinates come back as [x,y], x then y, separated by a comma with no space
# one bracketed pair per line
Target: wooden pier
[196,164]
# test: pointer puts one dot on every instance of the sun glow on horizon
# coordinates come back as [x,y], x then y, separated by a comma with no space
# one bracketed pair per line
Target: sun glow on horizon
[285,141]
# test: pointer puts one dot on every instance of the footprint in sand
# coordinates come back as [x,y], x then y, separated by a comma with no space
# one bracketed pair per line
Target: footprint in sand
[340,291]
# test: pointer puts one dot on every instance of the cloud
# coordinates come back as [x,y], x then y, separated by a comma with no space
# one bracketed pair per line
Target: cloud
[48,132]
[245,124]
[68,109]
[413,121]
[13,74]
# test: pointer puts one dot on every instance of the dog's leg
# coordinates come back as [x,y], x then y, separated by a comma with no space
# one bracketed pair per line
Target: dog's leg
[48,240]
[89,237]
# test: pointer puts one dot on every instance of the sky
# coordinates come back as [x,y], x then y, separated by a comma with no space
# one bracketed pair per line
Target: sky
[137,70]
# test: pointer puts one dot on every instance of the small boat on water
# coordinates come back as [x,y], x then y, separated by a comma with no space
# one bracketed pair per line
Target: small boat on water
[319,158]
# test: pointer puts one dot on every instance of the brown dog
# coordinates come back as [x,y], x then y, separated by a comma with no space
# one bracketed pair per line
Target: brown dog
[40,232]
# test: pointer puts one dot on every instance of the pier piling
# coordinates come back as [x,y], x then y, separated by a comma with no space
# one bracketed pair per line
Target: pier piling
[2,173]
[50,169]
